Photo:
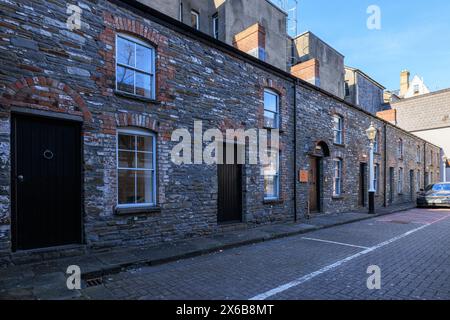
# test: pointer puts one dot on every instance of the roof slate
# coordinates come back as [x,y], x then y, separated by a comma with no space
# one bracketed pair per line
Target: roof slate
[429,111]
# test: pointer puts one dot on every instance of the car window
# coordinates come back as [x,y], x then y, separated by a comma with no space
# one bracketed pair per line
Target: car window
[441,187]
[429,187]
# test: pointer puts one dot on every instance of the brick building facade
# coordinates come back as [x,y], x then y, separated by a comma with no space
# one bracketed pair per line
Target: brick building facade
[51,72]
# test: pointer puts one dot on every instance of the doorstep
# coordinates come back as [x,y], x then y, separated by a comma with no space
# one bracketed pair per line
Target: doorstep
[98,264]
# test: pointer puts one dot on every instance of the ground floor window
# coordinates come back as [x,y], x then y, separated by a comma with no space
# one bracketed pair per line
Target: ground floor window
[337,178]
[271,178]
[418,181]
[136,168]
[376,178]
[400,181]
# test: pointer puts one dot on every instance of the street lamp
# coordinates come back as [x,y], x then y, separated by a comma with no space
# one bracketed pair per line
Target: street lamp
[371,134]
[444,174]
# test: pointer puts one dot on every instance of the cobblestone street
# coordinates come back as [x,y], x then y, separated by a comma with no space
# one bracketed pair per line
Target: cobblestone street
[411,248]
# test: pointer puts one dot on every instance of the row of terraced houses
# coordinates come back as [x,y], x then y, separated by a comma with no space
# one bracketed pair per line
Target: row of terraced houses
[88,111]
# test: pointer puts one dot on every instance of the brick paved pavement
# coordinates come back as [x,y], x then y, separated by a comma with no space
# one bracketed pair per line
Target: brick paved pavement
[413,267]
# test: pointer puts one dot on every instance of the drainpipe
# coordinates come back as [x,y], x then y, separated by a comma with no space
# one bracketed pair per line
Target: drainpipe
[295,151]
[385,166]
[425,165]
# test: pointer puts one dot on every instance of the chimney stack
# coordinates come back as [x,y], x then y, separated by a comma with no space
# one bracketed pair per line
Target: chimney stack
[252,41]
[404,82]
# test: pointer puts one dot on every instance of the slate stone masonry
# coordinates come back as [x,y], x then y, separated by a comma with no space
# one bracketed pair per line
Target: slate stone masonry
[47,67]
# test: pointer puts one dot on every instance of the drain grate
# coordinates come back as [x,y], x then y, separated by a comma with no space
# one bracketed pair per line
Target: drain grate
[94,282]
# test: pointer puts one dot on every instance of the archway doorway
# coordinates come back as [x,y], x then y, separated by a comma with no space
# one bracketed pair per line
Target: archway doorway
[315,188]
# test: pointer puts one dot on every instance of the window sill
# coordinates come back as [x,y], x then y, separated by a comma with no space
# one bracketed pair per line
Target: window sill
[339,145]
[272,201]
[337,197]
[267,128]
[125,211]
[135,97]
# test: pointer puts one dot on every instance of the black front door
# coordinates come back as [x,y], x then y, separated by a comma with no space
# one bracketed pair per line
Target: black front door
[230,189]
[46,182]
[362,184]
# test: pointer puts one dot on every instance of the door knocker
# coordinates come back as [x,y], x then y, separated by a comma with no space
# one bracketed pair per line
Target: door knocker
[48,154]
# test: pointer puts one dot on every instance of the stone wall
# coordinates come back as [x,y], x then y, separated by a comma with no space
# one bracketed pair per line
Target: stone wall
[47,67]
[315,125]
[363,92]
[194,82]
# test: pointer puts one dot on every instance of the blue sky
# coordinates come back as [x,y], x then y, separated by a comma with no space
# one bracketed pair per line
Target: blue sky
[414,35]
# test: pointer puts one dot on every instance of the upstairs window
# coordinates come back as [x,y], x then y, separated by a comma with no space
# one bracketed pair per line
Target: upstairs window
[271,103]
[136,164]
[338,125]
[416,89]
[195,20]
[215,25]
[418,152]
[135,67]
[376,144]
[347,89]
[400,149]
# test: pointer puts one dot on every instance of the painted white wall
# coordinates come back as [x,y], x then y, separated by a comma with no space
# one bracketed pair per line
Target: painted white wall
[440,137]
[416,82]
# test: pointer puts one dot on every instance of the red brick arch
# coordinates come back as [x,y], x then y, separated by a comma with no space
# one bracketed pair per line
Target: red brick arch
[45,94]
[122,24]
[136,120]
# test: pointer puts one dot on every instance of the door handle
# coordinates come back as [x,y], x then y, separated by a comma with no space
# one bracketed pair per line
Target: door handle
[20,178]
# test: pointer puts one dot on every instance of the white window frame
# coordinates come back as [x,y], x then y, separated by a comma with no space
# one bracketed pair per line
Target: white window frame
[197,20]
[215,25]
[418,154]
[276,181]
[376,144]
[152,73]
[338,133]
[376,178]
[277,113]
[417,180]
[137,132]
[338,165]
[400,148]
